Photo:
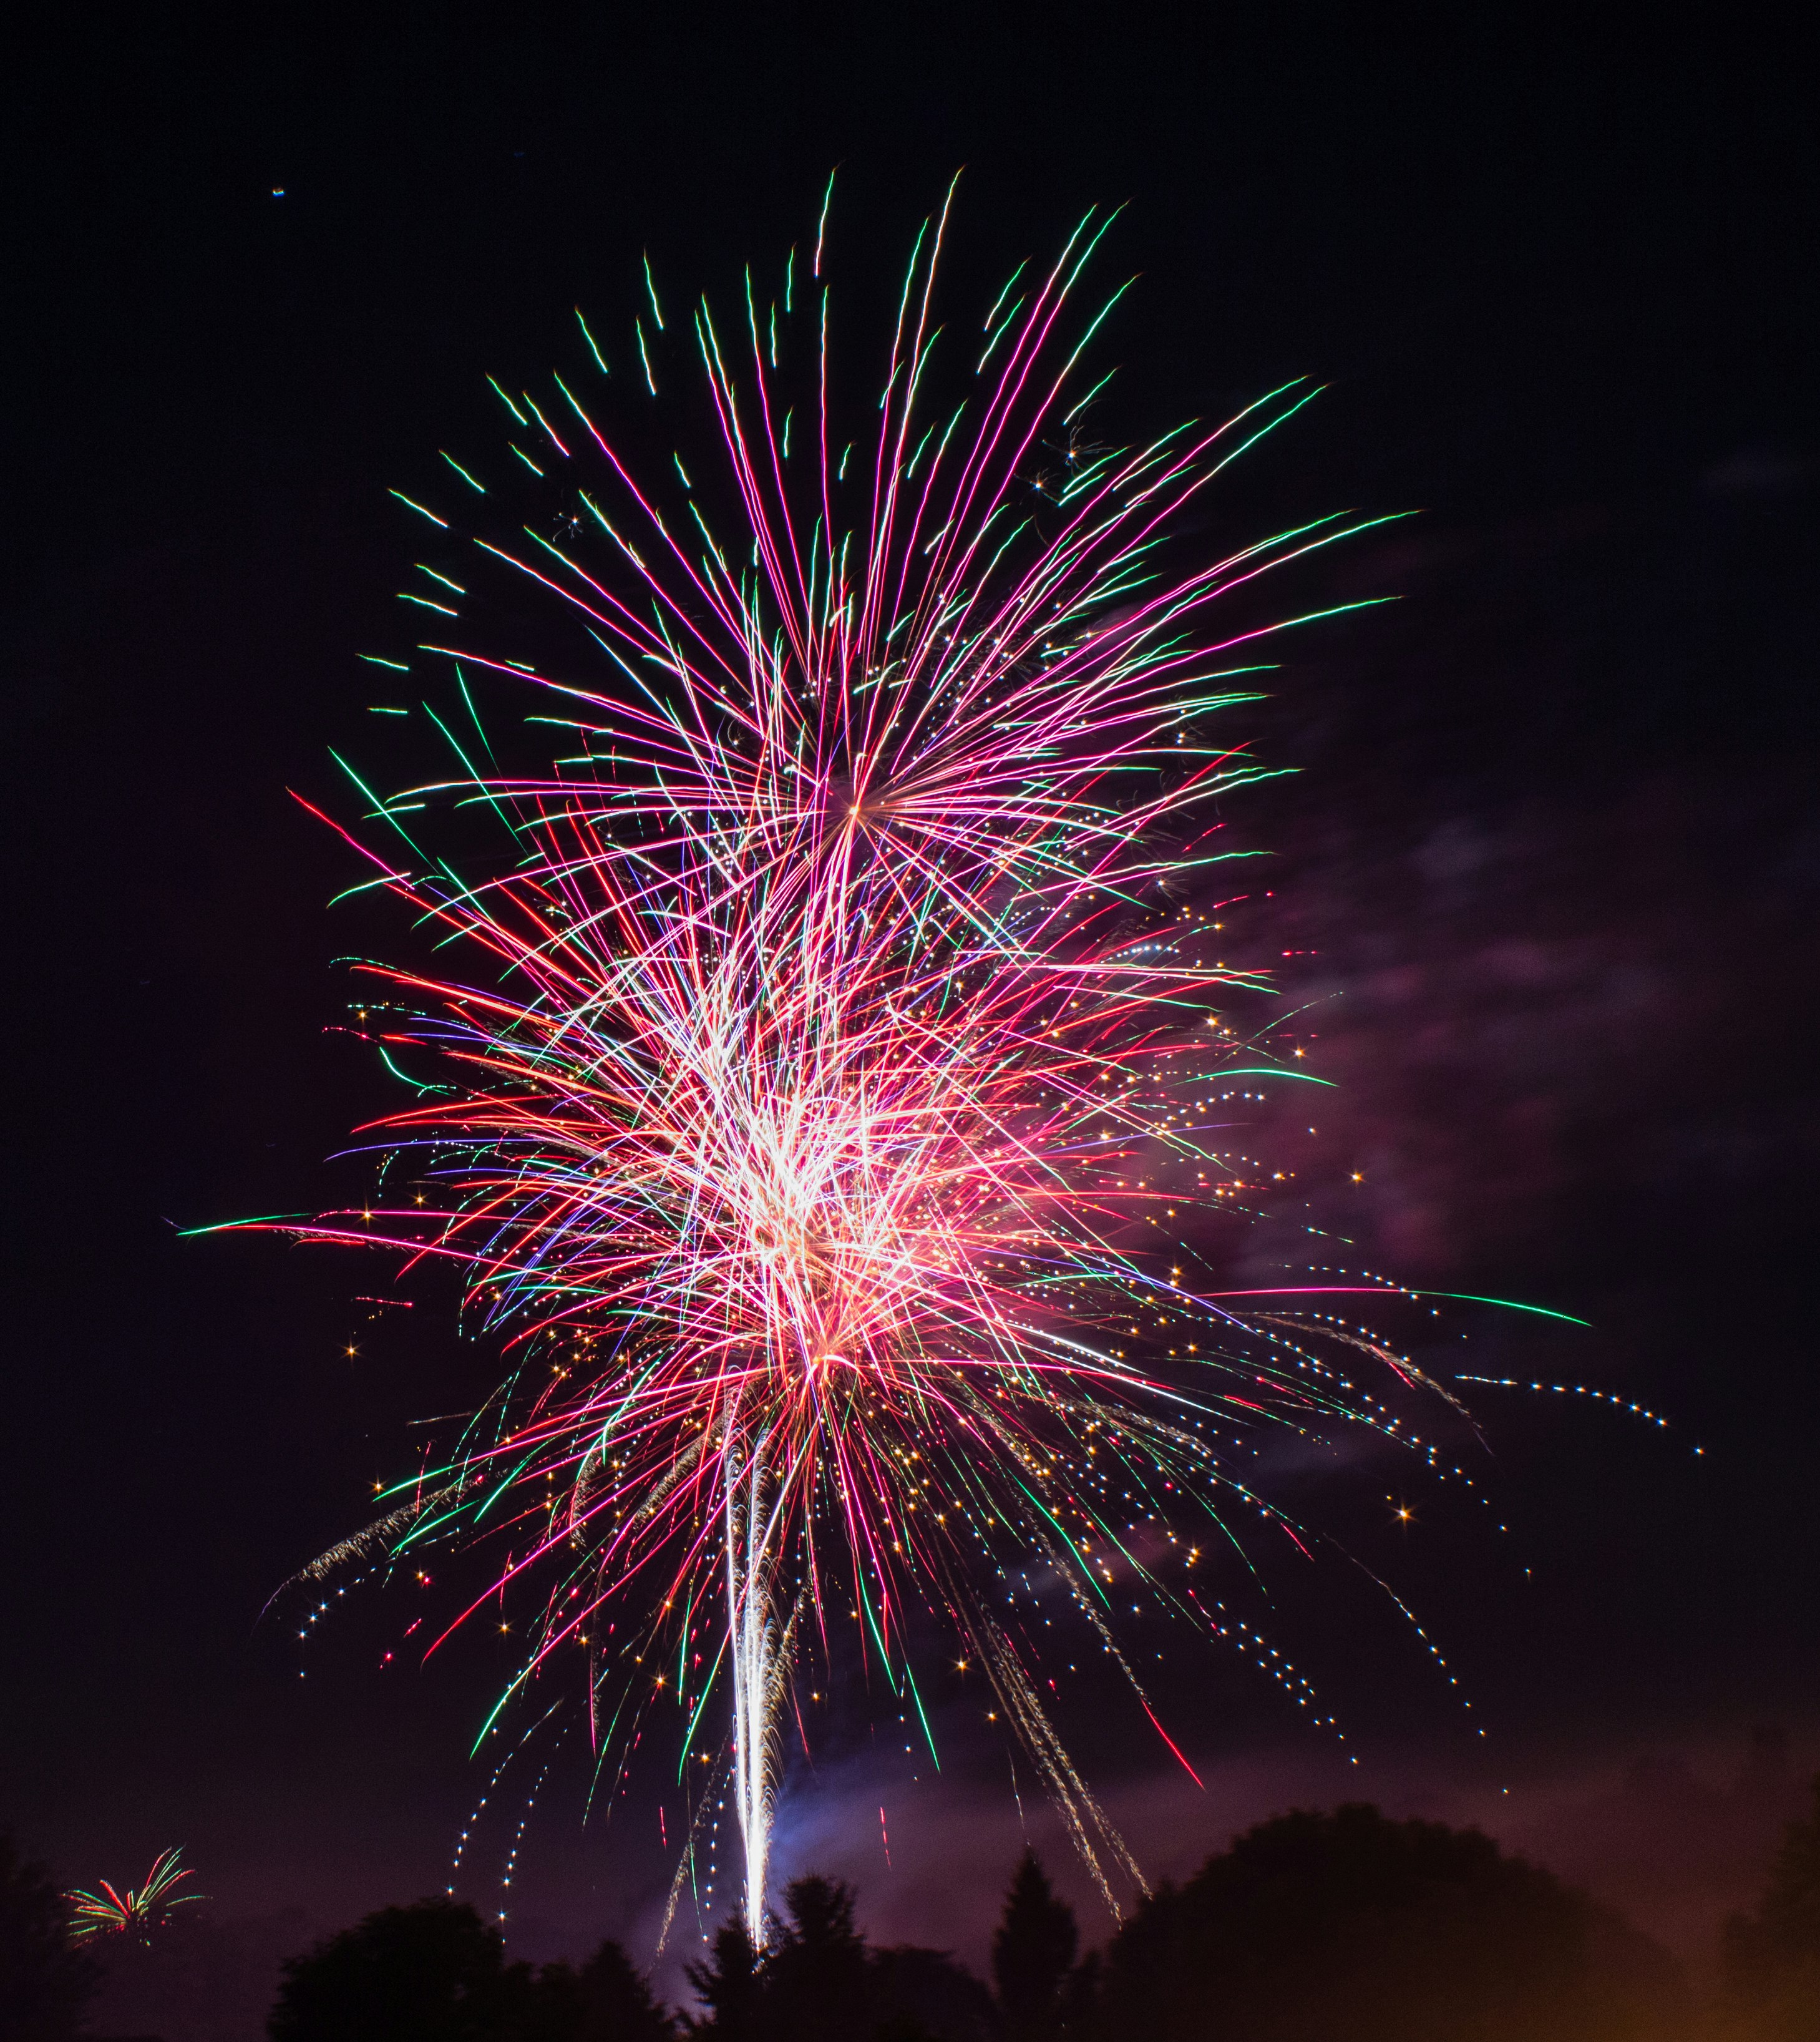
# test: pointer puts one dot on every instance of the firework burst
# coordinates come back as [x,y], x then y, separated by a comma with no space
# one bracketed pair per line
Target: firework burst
[826,1114]
[134,1913]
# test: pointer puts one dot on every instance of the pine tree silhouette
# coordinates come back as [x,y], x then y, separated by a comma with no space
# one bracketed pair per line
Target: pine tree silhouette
[729,1985]
[1032,1952]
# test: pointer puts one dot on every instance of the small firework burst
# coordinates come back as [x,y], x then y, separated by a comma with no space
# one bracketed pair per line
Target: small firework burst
[137,1911]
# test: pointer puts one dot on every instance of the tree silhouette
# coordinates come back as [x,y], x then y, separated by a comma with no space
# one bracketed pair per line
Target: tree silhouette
[817,1968]
[1346,1927]
[1773,1956]
[921,1995]
[606,2001]
[433,1972]
[1351,1925]
[1079,2010]
[43,1981]
[1032,1952]
[819,1981]
[728,1985]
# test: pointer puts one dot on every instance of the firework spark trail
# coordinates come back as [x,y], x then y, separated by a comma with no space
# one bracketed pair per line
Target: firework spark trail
[821,1105]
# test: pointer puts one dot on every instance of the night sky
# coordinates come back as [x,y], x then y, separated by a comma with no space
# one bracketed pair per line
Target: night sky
[1550,860]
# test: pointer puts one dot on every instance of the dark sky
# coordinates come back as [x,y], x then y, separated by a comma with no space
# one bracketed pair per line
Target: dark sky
[1553,849]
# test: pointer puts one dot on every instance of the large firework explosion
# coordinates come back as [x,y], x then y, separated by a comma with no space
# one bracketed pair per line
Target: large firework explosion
[827,1115]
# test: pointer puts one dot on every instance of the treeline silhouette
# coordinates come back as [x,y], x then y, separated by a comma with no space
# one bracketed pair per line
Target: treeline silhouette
[1309,1928]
